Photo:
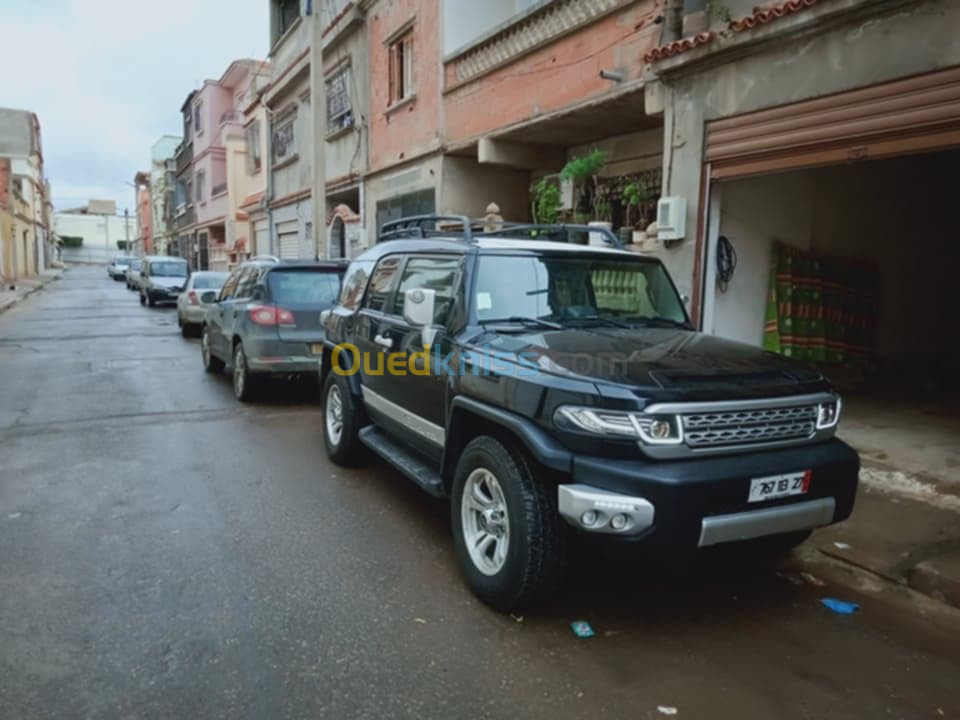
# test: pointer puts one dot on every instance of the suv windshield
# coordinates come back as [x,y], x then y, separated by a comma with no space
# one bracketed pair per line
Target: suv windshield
[134,264]
[122,260]
[568,290]
[306,287]
[168,269]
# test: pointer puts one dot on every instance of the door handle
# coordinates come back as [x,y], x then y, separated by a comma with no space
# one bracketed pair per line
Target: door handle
[383,341]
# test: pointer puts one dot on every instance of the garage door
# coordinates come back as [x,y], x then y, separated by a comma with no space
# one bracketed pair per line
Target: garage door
[288,237]
[915,114]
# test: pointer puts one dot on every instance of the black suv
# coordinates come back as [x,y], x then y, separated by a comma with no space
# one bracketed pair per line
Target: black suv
[266,320]
[540,384]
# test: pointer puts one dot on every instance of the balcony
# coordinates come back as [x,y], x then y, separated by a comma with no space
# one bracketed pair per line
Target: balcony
[184,156]
[521,34]
[230,116]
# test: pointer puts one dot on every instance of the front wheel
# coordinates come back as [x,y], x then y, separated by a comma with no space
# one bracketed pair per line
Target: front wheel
[341,421]
[506,528]
[143,300]
[211,363]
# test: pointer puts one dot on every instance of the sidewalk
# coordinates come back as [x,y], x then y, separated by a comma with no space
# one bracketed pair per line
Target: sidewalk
[905,529]
[25,286]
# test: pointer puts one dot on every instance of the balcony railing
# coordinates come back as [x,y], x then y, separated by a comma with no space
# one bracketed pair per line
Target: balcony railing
[218,189]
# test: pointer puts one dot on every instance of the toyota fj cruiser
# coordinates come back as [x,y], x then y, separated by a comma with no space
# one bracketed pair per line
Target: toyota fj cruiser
[541,384]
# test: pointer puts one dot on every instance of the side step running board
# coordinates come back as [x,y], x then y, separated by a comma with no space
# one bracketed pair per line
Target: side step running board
[407,461]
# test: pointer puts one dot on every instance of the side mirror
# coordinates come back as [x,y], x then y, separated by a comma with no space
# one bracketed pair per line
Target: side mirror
[418,306]
[210,296]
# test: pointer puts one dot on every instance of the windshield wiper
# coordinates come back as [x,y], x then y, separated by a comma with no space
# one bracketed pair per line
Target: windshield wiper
[600,320]
[519,319]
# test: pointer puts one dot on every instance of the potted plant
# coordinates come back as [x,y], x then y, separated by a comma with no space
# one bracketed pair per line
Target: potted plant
[582,171]
[634,195]
[546,202]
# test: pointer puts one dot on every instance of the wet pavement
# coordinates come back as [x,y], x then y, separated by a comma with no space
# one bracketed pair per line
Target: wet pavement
[168,553]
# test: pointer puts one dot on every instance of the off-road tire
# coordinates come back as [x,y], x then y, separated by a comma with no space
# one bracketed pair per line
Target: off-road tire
[537,551]
[346,449]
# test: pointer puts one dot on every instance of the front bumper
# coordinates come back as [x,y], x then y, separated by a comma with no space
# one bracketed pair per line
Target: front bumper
[162,294]
[697,503]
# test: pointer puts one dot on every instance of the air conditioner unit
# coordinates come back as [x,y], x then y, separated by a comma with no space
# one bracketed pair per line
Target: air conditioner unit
[672,218]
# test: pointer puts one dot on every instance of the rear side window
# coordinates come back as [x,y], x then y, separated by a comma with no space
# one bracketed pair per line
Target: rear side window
[230,286]
[354,283]
[439,274]
[381,283]
[304,287]
[248,278]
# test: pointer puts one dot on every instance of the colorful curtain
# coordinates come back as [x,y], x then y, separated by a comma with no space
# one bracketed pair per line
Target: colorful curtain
[820,310]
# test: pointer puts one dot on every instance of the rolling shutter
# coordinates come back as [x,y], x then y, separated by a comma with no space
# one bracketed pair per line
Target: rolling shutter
[915,114]
[288,238]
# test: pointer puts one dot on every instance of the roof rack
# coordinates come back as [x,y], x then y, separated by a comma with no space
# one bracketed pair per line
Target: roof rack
[556,232]
[421,226]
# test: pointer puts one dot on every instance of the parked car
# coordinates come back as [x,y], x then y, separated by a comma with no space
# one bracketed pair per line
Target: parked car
[162,279]
[117,269]
[266,320]
[133,274]
[566,387]
[190,307]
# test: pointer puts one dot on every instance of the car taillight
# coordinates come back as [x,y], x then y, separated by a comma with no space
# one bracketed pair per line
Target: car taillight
[192,296]
[269,315]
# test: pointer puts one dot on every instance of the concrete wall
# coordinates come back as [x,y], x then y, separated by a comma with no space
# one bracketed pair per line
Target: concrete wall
[412,177]
[296,174]
[467,188]
[908,39]
[755,213]
[628,153]
[99,232]
[466,20]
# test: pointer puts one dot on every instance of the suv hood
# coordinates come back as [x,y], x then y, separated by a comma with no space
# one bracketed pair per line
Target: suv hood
[666,359]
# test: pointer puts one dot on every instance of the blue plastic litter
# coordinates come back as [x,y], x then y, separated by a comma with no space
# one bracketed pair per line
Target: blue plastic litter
[839,606]
[582,629]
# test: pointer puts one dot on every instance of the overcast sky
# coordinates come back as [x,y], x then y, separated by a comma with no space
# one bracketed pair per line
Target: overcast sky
[107,78]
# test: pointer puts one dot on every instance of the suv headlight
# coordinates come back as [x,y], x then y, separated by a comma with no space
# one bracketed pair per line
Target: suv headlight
[828,414]
[648,429]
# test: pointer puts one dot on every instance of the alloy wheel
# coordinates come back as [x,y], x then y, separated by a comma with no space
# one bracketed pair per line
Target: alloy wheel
[333,414]
[485,522]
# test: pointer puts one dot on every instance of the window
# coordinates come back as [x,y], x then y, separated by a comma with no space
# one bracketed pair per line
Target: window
[198,117]
[283,14]
[339,112]
[439,274]
[304,287]
[254,161]
[381,283]
[246,281]
[401,68]
[199,184]
[354,283]
[283,138]
[230,286]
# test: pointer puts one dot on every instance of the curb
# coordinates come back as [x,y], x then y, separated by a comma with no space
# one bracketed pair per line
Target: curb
[13,302]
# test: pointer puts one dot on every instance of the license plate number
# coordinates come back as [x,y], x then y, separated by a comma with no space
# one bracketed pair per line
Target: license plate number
[779,486]
[316,348]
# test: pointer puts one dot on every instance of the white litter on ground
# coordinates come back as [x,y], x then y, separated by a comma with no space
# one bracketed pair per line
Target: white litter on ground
[665,710]
[895,482]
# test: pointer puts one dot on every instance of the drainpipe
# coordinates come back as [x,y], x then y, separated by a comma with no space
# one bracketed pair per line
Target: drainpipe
[268,193]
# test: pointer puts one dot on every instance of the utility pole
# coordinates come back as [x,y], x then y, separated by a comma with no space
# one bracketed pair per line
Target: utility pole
[126,225]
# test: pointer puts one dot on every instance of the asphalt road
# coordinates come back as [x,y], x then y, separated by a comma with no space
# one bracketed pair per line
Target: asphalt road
[168,553]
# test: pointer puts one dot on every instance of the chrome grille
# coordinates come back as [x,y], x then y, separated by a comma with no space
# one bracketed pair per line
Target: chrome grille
[748,427]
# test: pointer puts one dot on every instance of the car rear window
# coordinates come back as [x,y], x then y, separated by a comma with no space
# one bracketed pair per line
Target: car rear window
[209,282]
[313,287]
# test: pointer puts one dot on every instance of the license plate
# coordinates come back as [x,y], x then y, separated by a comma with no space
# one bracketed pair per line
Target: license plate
[779,486]
[316,348]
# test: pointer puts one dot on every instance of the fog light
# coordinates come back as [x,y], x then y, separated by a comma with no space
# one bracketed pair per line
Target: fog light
[619,522]
[660,429]
[589,518]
